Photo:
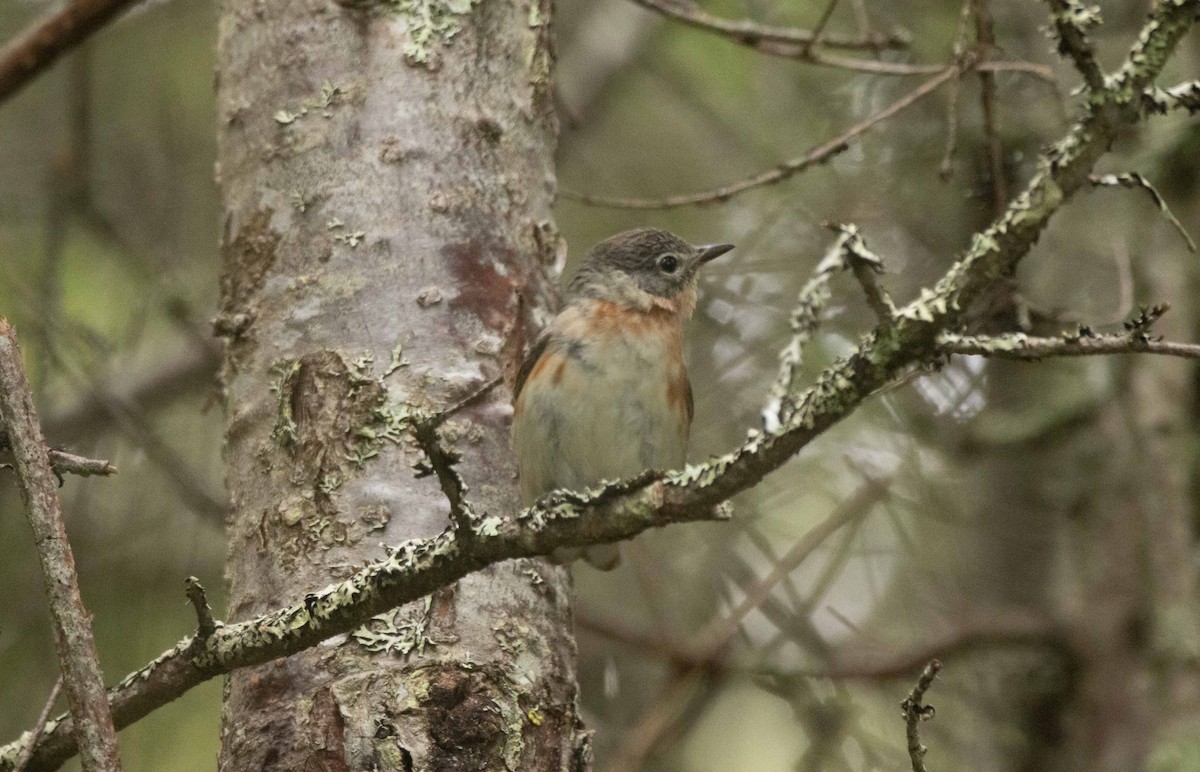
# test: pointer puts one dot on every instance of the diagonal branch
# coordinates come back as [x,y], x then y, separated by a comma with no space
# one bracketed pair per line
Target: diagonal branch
[1133,180]
[814,157]
[42,43]
[93,724]
[563,519]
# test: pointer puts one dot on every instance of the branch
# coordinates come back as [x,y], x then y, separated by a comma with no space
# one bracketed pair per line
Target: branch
[562,519]
[818,155]
[1135,180]
[800,45]
[205,625]
[1185,96]
[866,266]
[1023,347]
[753,34]
[1072,20]
[63,462]
[72,624]
[441,463]
[84,467]
[38,726]
[915,712]
[194,368]
[42,43]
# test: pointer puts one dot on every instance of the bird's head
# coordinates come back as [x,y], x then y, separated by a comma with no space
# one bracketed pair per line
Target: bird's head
[644,269]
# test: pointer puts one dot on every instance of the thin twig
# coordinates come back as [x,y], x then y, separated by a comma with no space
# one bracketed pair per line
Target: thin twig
[441,463]
[796,44]
[440,417]
[817,155]
[1134,180]
[915,711]
[819,29]
[716,635]
[72,624]
[38,727]
[751,33]
[43,42]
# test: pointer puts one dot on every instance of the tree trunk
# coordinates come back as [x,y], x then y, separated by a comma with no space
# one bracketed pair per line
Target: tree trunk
[387,177]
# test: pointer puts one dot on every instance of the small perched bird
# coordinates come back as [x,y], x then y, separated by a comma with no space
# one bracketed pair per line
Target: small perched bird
[604,392]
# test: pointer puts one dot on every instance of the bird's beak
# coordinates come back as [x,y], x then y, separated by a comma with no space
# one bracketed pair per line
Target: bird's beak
[709,252]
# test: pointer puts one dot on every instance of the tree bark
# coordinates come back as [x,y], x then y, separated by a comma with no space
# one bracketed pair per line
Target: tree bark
[387,177]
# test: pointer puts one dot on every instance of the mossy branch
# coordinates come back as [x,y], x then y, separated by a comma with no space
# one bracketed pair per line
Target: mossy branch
[418,567]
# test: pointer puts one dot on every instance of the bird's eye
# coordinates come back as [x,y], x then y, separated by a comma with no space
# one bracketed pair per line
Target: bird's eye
[668,263]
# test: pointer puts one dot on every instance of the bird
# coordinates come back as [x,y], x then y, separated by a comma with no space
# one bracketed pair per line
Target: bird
[603,393]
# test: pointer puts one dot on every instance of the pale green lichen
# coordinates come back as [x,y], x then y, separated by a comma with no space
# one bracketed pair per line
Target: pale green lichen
[383,634]
[429,24]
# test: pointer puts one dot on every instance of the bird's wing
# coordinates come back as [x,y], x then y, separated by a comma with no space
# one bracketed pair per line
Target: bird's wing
[535,353]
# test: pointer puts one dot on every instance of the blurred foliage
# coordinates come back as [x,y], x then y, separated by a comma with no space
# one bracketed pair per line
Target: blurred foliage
[108,230]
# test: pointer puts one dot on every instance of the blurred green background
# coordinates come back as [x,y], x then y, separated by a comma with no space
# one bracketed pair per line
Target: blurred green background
[108,269]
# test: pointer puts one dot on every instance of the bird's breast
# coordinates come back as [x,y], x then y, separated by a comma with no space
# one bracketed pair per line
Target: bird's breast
[607,399]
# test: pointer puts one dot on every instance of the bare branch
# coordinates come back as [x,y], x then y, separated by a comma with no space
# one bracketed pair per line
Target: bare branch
[93,723]
[819,28]
[67,463]
[441,463]
[797,44]
[64,462]
[752,34]
[1072,20]
[717,634]
[787,169]
[915,711]
[47,39]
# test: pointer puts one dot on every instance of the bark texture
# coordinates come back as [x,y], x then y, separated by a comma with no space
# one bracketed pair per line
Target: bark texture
[387,244]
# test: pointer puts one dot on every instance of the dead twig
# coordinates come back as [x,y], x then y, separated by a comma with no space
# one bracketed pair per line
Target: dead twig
[205,625]
[915,711]
[43,42]
[93,722]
